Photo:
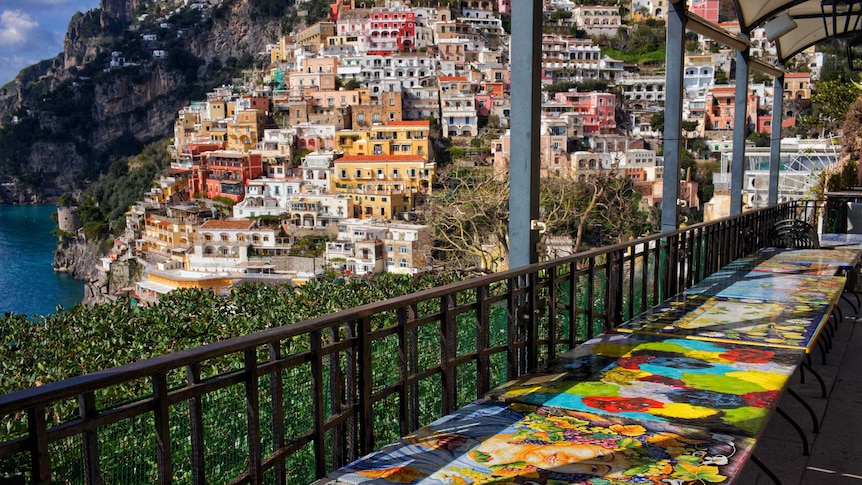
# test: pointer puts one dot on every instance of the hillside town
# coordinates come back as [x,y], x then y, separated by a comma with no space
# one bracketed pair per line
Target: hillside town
[325,159]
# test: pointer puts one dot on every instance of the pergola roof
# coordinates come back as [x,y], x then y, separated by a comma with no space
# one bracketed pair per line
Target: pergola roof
[815,20]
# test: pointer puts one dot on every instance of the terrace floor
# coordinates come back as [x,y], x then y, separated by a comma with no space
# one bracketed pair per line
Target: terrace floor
[836,452]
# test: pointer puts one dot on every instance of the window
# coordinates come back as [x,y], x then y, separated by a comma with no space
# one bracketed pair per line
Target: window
[379,170]
[389,248]
[343,173]
[390,261]
[402,249]
[358,173]
[395,172]
[403,263]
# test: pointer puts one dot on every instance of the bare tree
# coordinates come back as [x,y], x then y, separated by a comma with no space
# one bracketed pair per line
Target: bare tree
[471,217]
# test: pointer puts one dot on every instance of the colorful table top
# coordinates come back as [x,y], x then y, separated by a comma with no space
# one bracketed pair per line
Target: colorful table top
[841,240]
[841,258]
[727,388]
[775,287]
[491,442]
[753,322]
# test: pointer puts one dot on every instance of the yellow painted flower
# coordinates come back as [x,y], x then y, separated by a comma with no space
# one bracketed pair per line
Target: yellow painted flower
[618,375]
[397,474]
[703,473]
[767,380]
[682,410]
[628,429]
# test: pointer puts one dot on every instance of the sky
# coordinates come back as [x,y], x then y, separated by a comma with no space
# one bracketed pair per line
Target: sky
[32,30]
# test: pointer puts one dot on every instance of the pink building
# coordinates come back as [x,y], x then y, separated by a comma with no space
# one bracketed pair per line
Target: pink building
[707,9]
[596,109]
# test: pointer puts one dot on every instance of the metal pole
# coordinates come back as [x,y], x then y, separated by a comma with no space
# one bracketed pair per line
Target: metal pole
[775,144]
[740,123]
[676,20]
[526,51]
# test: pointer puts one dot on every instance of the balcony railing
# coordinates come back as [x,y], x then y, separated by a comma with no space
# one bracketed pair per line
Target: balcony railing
[290,404]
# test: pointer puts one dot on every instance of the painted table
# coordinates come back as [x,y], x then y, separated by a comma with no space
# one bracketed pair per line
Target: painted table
[726,388]
[775,287]
[840,258]
[755,322]
[831,240]
[493,442]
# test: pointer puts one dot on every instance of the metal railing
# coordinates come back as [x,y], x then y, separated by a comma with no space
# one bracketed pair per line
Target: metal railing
[290,404]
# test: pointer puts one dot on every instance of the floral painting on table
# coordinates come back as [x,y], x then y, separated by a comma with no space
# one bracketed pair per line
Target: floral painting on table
[724,387]
[838,258]
[810,289]
[774,324]
[491,442]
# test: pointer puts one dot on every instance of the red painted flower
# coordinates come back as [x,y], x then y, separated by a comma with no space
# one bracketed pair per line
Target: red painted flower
[633,362]
[763,399]
[668,381]
[751,356]
[615,404]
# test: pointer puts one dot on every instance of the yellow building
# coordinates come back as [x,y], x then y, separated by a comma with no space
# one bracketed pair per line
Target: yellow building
[383,186]
[168,237]
[245,131]
[162,282]
[283,52]
[399,138]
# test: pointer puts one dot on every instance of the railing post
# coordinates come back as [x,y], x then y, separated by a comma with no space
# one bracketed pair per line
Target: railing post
[196,427]
[317,407]
[366,387]
[161,417]
[448,342]
[404,418]
[483,330]
[342,432]
[613,301]
[89,440]
[252,406]
[552,312]
[573,305]
[40,462]
[276,389]
[591,297]
[532,320]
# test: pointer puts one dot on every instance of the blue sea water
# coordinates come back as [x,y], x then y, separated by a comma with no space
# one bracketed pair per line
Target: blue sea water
[28,283]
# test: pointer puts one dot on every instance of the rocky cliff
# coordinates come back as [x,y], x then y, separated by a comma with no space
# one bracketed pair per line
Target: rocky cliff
[64,120]
[82,260]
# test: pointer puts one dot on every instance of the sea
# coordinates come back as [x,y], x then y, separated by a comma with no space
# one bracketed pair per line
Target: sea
[28,283]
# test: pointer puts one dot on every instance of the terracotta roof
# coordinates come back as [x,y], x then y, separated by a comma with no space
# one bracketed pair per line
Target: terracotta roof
[797,74]
[380,158]
[223,224]
[453,78]
[152,221]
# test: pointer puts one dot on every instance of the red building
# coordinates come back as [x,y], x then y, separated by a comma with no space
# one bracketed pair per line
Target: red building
[392,30]
[224,174]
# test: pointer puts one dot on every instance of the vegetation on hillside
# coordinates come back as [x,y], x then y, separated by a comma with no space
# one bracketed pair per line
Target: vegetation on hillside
[103,205]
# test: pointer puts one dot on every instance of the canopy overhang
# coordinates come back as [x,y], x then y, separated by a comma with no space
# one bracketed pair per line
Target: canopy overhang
[816,20]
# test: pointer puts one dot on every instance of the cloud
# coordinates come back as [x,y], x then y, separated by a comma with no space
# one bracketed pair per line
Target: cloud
[16,27]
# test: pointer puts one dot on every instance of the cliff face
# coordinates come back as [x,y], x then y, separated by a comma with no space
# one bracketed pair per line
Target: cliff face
[106,95]
[81,260]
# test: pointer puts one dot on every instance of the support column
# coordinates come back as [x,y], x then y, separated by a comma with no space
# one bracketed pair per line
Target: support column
[740,123]
[674,89]
[526,105]
[775,144]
